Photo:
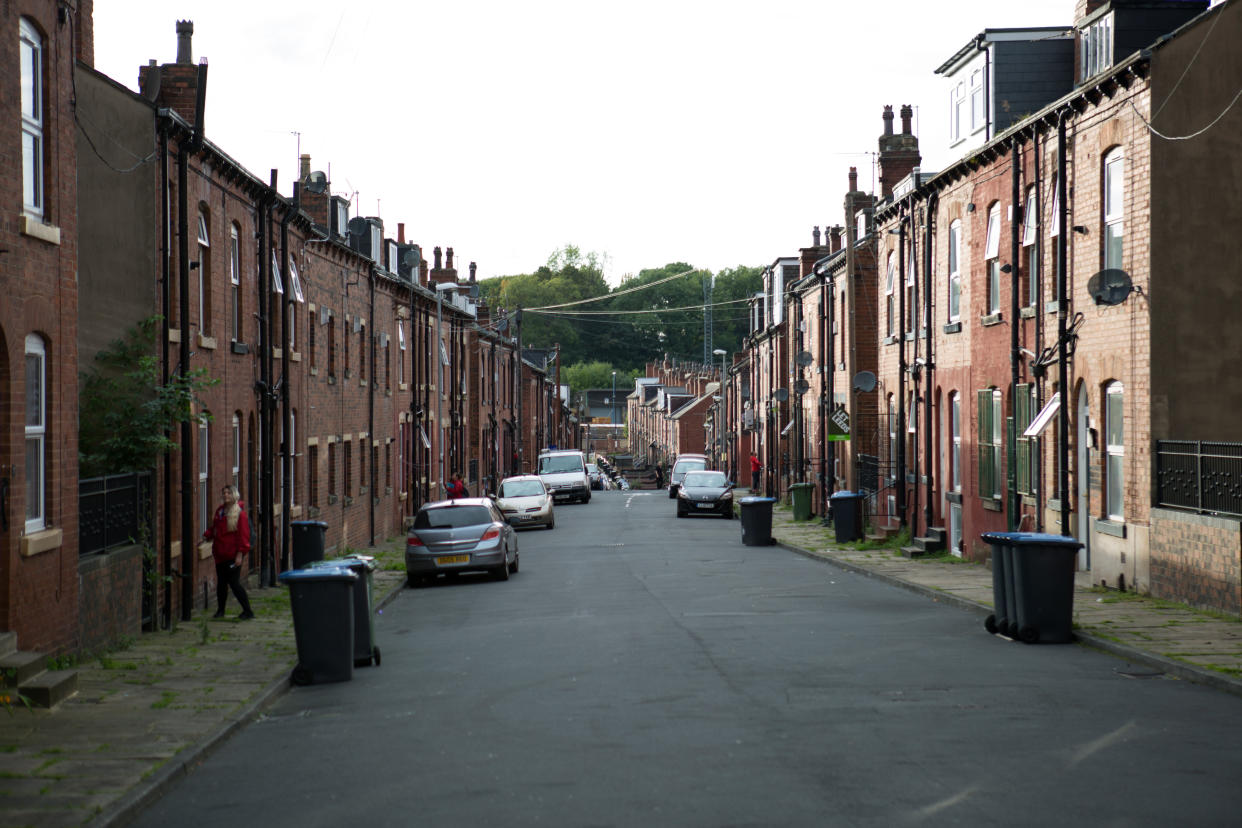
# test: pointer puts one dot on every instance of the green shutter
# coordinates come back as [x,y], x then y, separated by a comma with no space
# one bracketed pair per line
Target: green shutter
[983,444]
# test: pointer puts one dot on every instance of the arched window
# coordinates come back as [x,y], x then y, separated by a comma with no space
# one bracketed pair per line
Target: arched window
[36,433]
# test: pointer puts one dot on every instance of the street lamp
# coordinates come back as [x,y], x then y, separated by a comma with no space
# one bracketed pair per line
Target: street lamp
[613,401]
[720,435]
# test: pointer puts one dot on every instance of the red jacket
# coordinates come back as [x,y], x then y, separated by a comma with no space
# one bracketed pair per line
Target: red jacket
[456,489]
[228,546]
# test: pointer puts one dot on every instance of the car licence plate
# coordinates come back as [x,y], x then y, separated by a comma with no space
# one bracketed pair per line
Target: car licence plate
[452,559]
[705,505]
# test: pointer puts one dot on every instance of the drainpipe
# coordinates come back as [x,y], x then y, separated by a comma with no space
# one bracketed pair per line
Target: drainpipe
[166,310]
[1062,309]
[184,149]
[1015,354]
[919,388]
[1038,470]
[286,414]
[900,431]
[371,336]
[267,568]
[929,368]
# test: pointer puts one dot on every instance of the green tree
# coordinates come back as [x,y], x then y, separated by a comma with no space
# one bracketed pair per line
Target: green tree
[126,414]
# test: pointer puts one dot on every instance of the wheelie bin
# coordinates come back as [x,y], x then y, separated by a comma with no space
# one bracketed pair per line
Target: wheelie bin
[322,603]
[366,651]
[847,515]
[757,520]
[308,541]
[1004,617]
[802,494]
[1044,586]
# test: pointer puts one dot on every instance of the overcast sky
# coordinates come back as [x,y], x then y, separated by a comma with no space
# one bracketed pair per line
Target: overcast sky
[712,132]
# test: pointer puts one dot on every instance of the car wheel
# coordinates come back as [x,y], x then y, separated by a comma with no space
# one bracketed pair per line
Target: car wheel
[501,573]
[680,513]
[552,523]
[414,581]
[671,494]
[514,566]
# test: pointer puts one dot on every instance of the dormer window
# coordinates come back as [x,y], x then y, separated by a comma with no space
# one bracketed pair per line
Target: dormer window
[377,242]
[978,113]
[957,105]
[1096,47]
[393,261]
[342,216]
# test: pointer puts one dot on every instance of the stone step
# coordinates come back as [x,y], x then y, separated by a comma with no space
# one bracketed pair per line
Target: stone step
[50,687]
[937,532]
[18,667]
[8,643]
[929,543]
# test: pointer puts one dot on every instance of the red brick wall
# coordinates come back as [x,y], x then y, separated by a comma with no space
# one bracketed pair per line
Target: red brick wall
[110,606]
[1197,559]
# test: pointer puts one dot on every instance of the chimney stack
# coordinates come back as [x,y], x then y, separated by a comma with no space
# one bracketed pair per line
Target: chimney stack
[815,236]
[436,252]
[907,112]
[448,265]
[834,238]
[853,179]
[473,271]
[888,120]
[899,154]
[401,232]
[185,31]
[304,166]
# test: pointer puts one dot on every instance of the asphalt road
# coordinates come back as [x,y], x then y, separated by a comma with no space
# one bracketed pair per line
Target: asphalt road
[642,670]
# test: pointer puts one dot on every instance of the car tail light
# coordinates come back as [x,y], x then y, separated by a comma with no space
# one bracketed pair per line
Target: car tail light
[494,532]
[413,540]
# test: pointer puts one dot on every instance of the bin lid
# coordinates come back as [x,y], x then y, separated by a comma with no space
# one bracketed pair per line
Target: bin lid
[802,485]
[844,494]
[746,500]
[319,573]
[1030,539]
[352,563]
[318,523]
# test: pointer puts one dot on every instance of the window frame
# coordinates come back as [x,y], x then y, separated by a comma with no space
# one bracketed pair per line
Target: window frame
[1113,207]
[1113,482]
[36,434]
[235,281]
[889,286]
[991,255]
[955,431]
[32,102]
[204,476]
[204,272]
[954,305]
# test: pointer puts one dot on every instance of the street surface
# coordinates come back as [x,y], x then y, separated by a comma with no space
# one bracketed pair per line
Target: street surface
[642,670]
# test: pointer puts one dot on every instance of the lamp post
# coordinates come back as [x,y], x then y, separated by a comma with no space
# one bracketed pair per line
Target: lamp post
[720,410]
[613,401]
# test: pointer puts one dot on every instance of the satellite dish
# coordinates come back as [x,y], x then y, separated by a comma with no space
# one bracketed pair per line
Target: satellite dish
[317,182]
[1110,286]
[411,259]
[864,381]
[358,226]
[802,386]
[805,358]
[780,395]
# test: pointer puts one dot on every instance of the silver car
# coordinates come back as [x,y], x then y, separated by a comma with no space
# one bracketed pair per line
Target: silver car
[464,535]
[525,501]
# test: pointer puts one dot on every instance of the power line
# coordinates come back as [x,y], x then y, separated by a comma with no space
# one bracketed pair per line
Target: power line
[620,292]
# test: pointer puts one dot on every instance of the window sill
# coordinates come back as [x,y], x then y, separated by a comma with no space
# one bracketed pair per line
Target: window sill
[403,387]
[314,372]
[889,340]
[362,383]
[387,392]
[1111,527]
[312,512]
[348,373]
[45,540]
[1053,504]
[294,356]
[403,496]
[174,336]
[993,504]
[331,380]
[953,497]
[276,353]
[239,347]
[991,319]
[207,343]
[1052,307]
[331,499]
[349,501]
[1027,313]
[295,511]
[38,229]
[204,550]
[953,327]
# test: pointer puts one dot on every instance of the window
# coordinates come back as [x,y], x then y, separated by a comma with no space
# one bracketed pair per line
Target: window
[1028,455]
[892,438]
[310,338]
[235,316]
[400,352]
[393,261]
[331,471]
[345,340]
[36,433]
[295,282]
[377,244]
[387,364]
[331,349]
[1114,210]
[236,433]
[955,271]
[293,456]
[349,470]
[1030,220]
[204,274]
[955,429]
[1054,232]
[31,56]
[991,424]
[342,217]
[841,327]
[204,468]
[890,299]
[978,115]
[277,284]
[957,105]
[362,351]
[312,476]
[911,310]
[1114,471]
[992,255]
[1096,47]
[362,467]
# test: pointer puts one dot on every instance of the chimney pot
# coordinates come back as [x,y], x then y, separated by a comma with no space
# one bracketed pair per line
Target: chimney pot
[304,166]
[853,179]
[437,255]
[815,236]
[907,112]
[888,120]
[401,232]
[185,32]
[473,271]
[448,265]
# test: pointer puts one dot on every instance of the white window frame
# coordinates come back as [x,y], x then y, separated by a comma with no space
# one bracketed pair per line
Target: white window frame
[1030,224]
[32,94]
[909,323]
[377,244]
[342,217]
[393,261]
[955,270]
[236,448]
[293,457]
[1114,207]
[235,280]
[36,433]
[998,440]
[204,259]
[992,257]
[204,475]
[295,281]
[890,282]
[978,109]
[955,429]
[957,102]
[277,284]
[1115,452]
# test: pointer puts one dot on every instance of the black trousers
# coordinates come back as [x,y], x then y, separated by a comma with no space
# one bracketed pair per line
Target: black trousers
[229,577]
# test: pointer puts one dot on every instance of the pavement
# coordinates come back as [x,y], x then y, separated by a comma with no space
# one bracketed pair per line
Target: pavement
[148,713]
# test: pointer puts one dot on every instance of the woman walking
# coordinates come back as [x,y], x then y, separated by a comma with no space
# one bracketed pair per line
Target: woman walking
[229,534]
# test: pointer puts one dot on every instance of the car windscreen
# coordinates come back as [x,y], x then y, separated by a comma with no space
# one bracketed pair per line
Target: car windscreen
[704,479]
[452,517]
[683,466]
[560,464]
[521,488]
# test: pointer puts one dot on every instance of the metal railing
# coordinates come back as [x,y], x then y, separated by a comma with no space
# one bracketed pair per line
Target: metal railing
[113,511]
[1199,476]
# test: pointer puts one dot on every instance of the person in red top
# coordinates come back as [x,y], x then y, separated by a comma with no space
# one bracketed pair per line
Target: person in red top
[456,488]
[755,466]
[229,534]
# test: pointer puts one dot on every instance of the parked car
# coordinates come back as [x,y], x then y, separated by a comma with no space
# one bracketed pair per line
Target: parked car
[565,475]
[705,493]
[525,501]
[464,535]
[685,463]
[595,475]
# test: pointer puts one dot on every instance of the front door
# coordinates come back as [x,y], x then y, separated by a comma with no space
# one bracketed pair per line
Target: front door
[1083,477]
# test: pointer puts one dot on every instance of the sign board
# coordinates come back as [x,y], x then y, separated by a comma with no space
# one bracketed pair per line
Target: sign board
[838,424]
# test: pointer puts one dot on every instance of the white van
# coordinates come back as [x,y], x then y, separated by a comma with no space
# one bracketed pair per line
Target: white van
[565,475]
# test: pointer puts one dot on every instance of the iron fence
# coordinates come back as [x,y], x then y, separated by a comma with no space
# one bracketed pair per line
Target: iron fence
[1199,476]
[113,511]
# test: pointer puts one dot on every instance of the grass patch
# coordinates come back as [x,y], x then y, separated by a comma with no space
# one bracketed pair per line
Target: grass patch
[166,699]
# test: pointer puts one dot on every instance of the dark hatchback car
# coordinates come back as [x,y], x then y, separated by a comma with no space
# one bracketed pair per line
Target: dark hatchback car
[463,535]
[705,493]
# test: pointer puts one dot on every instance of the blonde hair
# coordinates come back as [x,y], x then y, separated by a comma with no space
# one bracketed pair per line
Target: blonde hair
[234,511]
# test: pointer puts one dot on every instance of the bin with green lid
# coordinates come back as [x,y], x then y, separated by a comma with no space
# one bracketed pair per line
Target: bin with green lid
[366,651]
[801,494]
[322,603]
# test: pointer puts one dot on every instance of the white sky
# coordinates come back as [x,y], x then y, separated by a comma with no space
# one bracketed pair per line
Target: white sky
[714,132]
